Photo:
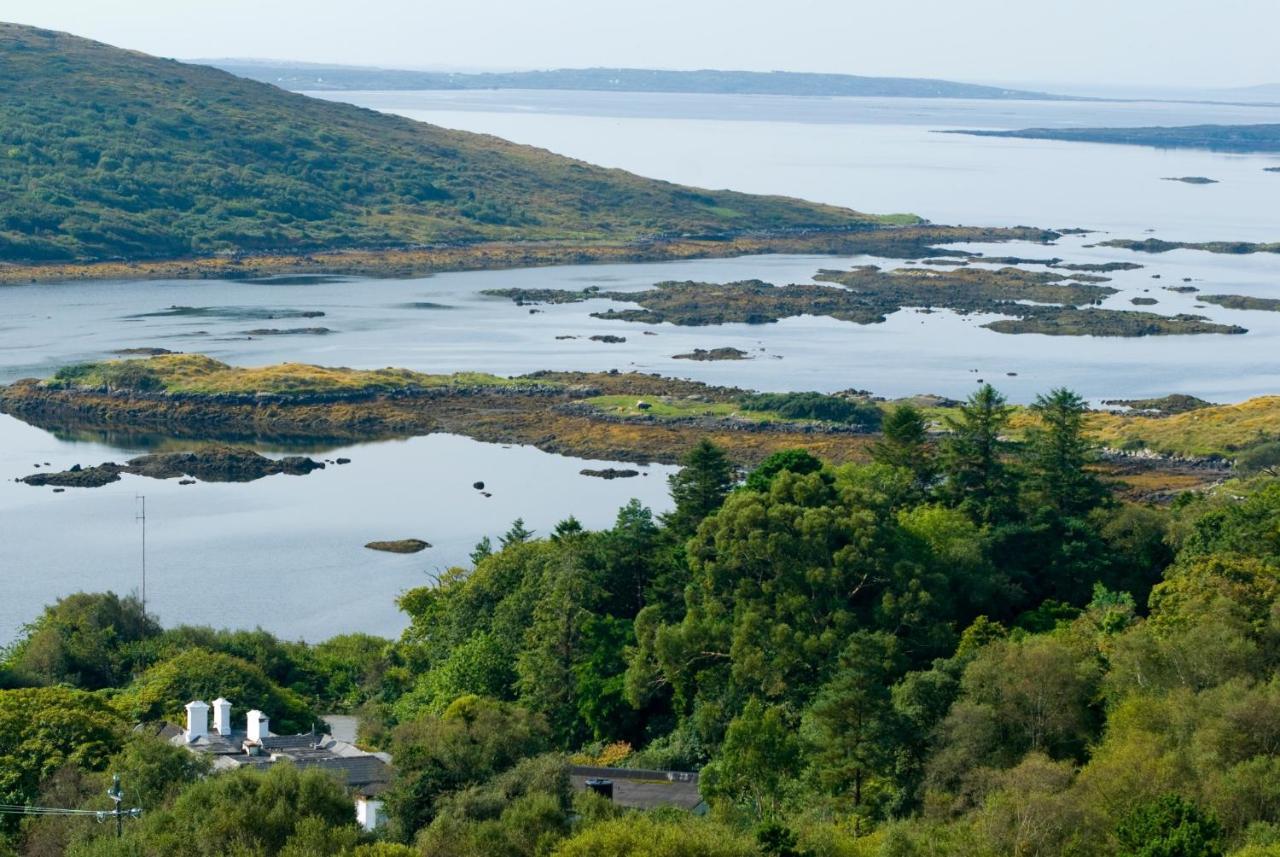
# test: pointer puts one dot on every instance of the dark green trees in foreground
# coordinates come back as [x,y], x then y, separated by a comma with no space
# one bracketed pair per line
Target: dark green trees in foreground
[970,646]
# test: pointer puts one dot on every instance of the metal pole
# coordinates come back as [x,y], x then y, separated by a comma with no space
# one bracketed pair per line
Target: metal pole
[117,795]
[142,516]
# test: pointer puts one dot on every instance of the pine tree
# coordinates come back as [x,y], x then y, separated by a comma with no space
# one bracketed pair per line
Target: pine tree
[978,479]
[1059,455]
[905,443]
[700,487]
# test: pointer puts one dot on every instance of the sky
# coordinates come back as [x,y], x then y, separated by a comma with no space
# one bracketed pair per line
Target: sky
[1149,43]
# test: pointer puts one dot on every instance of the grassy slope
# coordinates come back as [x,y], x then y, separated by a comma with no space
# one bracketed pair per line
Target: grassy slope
[106,153]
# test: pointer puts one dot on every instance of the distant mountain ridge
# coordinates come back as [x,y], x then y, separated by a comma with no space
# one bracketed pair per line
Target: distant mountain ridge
[114,154]
[314,77]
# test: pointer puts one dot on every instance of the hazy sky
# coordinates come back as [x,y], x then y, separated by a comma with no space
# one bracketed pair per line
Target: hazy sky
[1186,43]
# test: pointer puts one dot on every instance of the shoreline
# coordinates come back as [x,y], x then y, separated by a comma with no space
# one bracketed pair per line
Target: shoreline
[623,417]
[903,242]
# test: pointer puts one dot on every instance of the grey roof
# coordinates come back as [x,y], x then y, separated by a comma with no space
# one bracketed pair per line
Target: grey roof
[643,789]
[364,772]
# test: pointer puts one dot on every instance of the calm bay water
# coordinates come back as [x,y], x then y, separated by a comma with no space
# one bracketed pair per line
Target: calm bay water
[286,552]
[883,155]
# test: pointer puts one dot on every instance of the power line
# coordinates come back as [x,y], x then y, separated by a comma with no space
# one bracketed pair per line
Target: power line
[101,815]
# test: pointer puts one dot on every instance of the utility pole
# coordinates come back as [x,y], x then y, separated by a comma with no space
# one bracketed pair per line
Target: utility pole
[100,815]
[117,794]
[142,517]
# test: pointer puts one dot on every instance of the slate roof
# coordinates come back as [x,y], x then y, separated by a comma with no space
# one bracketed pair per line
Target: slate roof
[364,773]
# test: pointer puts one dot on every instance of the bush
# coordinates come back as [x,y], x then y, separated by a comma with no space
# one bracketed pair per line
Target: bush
[814,406]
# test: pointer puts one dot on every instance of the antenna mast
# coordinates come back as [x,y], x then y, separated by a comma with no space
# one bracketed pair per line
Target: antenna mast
[142,517]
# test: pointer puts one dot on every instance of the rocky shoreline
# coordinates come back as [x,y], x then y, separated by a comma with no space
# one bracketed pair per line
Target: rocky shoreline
[914,241]
[602,416]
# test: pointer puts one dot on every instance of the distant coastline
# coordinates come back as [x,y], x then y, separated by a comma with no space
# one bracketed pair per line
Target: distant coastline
[1243,139]
[338,78]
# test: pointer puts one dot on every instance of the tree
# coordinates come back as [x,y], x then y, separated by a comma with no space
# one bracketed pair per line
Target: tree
[699,488]
[1244,526]
[905,443]
[790,460]
[483,548]
[42,729]
[518,534]
[1059,455]
[853,724]
[759,762]
[653,835]
[154,771]
[554,645]
[978,479]
[434,755]
[1169,827]
[163,690]
[280,810]
[87,639]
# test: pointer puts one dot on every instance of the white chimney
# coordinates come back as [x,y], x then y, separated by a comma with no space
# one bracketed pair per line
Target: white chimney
[197,720]
[257,726]
[222,716]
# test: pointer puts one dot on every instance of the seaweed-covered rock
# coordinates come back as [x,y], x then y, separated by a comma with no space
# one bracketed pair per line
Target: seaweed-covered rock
[78,477]
[399,546]
[714,354]
[220,464]
[215,464]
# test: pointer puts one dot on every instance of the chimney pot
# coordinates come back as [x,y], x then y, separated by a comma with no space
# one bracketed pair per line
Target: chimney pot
[257,725]
[222,716]
[197,719]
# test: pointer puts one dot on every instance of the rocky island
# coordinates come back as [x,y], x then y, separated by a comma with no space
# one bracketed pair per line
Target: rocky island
[210,464]
[602,416]
[1038,301]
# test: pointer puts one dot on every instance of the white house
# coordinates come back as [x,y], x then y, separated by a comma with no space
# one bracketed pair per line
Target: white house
[366,775]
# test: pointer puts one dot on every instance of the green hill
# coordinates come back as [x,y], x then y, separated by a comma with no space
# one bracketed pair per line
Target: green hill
[106,153]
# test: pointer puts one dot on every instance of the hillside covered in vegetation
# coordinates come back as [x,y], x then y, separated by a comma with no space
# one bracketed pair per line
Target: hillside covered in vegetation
[106,154]
[965,647]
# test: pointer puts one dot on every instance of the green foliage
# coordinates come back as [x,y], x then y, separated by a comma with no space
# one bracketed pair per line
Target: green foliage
[855,727]
[1169,827]
[519,813]
[790,460]
[815,406]
[978,478]
[650,836]
[1059,455]
[155,771]
[904,443]
[698,489]
[85,640]
[1247,526]
[760,760]
[474,739]
[163,690]
[42,729]
[278,811]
